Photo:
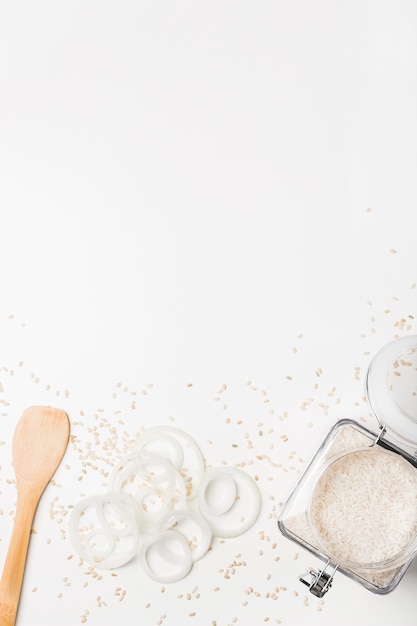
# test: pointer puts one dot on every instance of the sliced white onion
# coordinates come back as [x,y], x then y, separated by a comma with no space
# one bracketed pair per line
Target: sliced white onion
[166,557]
[157,441]
[150,502]
[144,468]
[104,530]
[193,466]
[217,493]
[194,528]
[246,506]
[152,481]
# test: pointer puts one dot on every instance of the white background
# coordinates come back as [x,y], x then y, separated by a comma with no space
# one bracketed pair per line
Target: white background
[206,220]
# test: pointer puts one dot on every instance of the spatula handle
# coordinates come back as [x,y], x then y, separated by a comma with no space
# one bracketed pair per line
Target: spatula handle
[14,567]
[7,614]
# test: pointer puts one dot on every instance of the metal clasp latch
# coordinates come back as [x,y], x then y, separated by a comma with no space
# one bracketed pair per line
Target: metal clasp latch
[382,431]
[320,581]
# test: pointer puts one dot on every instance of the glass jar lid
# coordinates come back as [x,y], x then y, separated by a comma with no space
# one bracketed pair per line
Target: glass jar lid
[391,389]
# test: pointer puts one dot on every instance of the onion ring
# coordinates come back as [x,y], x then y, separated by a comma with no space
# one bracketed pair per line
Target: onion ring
[180,521]
[175,452]
[224,500]
[161,559]
[164,490]
[245,509]
[108,537]
[188,444]
[135,464]
[162,505]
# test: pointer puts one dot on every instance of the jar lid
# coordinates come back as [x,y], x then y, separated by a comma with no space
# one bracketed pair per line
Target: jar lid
[391,389]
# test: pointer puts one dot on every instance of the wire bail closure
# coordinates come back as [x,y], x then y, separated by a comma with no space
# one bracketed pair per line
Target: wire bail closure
[380,435]
[320,581]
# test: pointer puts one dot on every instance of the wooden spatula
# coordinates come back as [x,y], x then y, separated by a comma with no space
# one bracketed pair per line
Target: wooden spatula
[39,443]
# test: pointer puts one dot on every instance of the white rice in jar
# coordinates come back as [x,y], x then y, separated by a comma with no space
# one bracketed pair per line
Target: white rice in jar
[364,507]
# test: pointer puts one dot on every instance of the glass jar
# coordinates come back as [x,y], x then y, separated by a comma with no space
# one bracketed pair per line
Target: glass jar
[355,506]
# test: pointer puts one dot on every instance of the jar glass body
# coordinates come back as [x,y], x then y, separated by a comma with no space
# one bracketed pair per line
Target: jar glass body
[344,444]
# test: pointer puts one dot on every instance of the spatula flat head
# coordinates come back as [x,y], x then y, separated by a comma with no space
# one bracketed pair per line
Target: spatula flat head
[39,443]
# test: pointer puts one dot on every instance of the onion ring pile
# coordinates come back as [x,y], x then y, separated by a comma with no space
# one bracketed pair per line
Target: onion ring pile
[163,506]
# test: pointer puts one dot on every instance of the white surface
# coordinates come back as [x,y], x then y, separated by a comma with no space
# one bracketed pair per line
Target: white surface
[206,220]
